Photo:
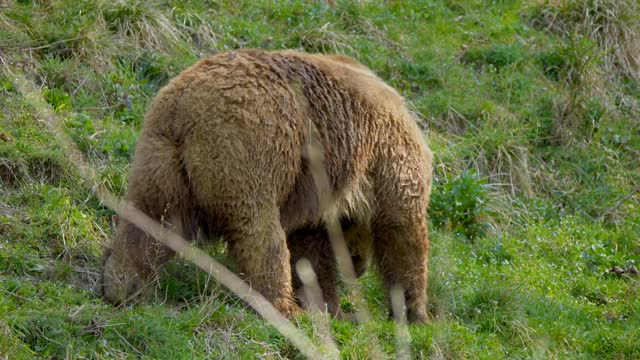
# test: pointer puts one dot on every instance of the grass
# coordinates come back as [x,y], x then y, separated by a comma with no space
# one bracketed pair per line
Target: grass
[531,111]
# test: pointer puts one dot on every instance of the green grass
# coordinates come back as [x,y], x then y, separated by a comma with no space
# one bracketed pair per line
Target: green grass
[531,112]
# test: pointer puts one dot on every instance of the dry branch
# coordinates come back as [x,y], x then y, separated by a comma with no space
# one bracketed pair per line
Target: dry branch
[403,337]
[326,199]
[619,203]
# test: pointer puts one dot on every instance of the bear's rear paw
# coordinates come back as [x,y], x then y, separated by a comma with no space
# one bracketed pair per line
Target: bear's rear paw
[345,316]
[417,316]
[288,308]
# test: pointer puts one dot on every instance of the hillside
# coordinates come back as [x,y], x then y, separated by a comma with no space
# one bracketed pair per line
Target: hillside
[532,109]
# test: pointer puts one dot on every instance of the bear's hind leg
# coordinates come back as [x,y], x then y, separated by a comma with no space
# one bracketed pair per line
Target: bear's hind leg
[259,246]
[238,180]
[401,251]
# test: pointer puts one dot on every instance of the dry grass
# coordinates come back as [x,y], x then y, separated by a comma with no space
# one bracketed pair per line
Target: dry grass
[602,46]
[198,30]
[8,23]
[499,151]
[16,171]
[141,25]
[584,77]
[96,45]
[324,39]
[508,168]
[613,24]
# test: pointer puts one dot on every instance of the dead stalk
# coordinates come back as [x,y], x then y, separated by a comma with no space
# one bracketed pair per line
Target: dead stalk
[403,337]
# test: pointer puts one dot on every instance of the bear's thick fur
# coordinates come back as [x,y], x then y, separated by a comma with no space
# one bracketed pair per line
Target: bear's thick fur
[223,149]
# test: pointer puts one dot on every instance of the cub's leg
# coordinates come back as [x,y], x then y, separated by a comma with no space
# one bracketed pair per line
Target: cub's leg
[313,244]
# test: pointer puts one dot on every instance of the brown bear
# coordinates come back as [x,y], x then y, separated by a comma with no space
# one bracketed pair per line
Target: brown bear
[223,150]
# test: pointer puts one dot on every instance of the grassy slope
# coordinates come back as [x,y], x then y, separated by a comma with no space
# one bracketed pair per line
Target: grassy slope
[519,257]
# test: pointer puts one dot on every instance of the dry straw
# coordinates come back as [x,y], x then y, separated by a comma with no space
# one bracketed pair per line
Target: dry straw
[612,24]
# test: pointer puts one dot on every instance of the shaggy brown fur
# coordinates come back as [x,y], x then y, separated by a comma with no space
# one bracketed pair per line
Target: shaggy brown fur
[222,150]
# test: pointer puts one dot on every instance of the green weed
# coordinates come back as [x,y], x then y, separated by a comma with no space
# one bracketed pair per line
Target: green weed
[459,205]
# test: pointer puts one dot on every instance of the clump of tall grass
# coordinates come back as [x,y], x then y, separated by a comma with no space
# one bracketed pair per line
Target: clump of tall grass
[11,31]
[501,152]
[583,80]
[602,45]
[98,46]
[500,310]
[497,147]
[141,25]
[613,24]
[324,39]
[197,30]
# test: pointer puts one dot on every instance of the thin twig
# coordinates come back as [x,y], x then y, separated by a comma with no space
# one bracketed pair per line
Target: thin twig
[326,198]
[403,338]
[21,46]
[619,203]
[15,295]
[128,343]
